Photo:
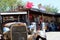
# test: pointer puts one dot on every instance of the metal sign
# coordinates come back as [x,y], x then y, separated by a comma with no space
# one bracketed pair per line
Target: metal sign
[13,13]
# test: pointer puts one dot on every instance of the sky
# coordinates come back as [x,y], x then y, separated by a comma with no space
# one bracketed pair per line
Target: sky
[55,3]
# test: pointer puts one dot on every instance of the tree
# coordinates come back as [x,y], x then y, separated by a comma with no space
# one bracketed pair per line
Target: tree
[51,9]
[6,5]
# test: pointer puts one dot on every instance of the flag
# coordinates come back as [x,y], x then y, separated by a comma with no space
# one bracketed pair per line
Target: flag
[29,5]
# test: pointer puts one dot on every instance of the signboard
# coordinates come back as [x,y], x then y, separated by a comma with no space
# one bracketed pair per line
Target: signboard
[13,13]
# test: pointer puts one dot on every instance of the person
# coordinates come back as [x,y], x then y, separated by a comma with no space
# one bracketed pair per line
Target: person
[40,38]
[5,29]
[5,32]
[1,36]
[40,35]
[32,27]
[58,27]
[29,32]
[52,26]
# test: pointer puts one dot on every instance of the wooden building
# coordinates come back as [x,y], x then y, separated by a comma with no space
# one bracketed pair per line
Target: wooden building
[37,14]
[13,17]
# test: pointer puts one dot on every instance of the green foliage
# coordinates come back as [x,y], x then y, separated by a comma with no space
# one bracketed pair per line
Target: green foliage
[20,2]
[6,5]
[51,9]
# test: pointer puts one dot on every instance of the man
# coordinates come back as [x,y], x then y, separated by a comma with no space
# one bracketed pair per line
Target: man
[33,27]
[41,35]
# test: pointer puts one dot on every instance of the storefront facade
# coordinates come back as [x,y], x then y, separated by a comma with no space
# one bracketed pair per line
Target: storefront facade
[38,17]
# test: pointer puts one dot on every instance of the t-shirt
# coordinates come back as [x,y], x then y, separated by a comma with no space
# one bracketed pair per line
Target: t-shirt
[42,33]
[5,29]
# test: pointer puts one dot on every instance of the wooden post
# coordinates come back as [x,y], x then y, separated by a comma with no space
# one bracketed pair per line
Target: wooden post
[18,18]
[28,18]
[1,27]
[42,17]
